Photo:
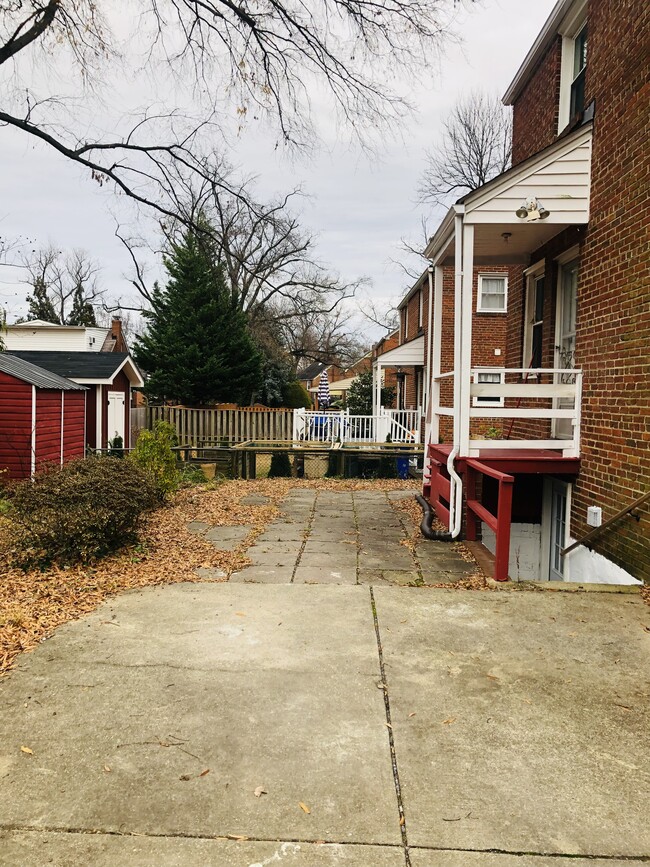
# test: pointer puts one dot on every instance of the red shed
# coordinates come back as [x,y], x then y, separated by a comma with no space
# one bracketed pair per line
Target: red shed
[42,417]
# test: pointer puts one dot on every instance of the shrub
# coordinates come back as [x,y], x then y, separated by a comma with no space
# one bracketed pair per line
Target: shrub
[81,511]
[280,465]
[296,396]
[153,453]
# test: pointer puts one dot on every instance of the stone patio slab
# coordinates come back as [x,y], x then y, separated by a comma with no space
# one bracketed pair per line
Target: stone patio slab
[263,575]
[42,849]
[403,577]
[222,534]
[283,560]
[235,679]
[530,719]
[325,575]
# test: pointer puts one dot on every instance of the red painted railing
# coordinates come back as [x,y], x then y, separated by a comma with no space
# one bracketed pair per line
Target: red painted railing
[500,522]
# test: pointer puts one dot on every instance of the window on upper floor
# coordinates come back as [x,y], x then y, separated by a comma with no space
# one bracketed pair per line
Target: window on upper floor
[492,293]
[403,325]
[420,310]
[574,67]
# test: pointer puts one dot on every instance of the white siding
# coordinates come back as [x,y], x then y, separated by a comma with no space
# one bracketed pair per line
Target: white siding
[54,339]
[406,355]
[560,180]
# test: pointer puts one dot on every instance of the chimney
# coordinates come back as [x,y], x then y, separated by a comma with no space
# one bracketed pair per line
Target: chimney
[119,343]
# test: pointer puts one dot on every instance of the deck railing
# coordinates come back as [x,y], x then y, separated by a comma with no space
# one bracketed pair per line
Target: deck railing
[551,395]
[398,426]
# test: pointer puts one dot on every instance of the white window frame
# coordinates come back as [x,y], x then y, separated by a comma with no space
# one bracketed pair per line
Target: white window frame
[486,401]
[421,310]
[534,273]
[479,294]
[571,27]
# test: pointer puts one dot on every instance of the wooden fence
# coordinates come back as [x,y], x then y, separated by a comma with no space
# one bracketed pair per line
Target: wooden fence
[210,426]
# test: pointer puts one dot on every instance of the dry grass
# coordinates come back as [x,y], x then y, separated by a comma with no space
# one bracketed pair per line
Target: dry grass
[33,604]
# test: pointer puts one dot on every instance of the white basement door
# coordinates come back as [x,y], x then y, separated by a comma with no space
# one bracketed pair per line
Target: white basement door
[115,414]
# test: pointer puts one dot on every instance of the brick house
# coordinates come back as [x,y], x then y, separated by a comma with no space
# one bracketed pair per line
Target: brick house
[573,399]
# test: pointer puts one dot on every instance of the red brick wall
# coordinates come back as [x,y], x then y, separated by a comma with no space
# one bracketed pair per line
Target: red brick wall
[613,319]
[613,340]
[535,112]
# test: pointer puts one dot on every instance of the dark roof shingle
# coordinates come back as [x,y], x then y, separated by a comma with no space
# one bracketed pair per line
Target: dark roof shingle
[22,369]
[78,365]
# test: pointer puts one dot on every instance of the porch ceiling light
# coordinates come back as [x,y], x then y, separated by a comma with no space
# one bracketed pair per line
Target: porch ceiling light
[531,210]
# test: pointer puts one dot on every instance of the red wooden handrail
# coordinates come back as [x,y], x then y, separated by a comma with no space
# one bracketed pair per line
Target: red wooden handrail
[500,522]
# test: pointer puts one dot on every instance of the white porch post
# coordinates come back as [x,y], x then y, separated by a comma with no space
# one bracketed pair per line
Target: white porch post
[466,336]
[376,388]
[436,352]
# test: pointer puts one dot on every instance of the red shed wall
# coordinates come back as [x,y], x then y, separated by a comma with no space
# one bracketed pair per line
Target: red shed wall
[74,439]
[15,428]
[48,426]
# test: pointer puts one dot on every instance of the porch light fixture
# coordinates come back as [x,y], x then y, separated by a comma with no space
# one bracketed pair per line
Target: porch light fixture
[531,210]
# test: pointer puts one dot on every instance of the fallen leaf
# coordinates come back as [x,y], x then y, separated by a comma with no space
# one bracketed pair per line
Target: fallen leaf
[402,820]
[240,613]
[107,769]
[27,750]
[259,791]
[412,714]
[381,685]
[236,837]
[388,725]
[492,677]
[449,721]
[622,706]
[185,777]
[304,807]
[646,628]
[203,773]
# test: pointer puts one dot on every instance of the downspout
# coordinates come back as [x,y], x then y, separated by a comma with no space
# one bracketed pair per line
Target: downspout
[456,492]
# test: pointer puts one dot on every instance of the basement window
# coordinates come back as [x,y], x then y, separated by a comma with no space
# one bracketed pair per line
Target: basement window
[486,377]
[492,293]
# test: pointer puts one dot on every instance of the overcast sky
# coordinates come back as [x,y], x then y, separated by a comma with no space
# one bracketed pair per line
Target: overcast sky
[359,205]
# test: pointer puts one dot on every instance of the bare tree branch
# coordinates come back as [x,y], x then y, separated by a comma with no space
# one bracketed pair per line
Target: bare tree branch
[476,147]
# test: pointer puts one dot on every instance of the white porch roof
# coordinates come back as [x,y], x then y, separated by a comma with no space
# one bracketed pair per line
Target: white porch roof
[409,354]
[559,176]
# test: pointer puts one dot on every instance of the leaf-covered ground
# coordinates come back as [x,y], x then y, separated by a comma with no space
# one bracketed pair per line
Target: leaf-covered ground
[33,604]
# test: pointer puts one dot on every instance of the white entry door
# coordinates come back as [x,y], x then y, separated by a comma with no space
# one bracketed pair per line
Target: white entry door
[116,413]
[558,528]
[565,342]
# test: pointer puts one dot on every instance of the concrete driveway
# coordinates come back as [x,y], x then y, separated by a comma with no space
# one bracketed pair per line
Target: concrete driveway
[247,724]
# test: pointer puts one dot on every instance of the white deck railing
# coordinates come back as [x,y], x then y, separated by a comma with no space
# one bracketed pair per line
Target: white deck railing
[398,426]
[547,393]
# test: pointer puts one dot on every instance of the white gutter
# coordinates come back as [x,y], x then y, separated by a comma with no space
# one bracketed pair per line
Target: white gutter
[428,368]
[540,46]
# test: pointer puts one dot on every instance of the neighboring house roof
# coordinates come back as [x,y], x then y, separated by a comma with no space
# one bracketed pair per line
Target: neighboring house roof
[339,385]
[89,367]
[30,373]
[312,371]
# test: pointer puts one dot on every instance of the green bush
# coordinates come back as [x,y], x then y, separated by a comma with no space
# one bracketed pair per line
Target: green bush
[153,454]
[280,465]
[296,396]
[192,474]
[79,512]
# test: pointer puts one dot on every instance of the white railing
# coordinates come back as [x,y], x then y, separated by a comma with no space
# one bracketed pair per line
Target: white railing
[553,394]
[398,426]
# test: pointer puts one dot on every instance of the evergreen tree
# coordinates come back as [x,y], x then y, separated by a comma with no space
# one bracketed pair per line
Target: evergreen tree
[83,312]
[197,348]
[359,400]
[40,305]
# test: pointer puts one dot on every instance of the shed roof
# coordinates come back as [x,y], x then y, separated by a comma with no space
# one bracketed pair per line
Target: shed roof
[30,373]
[84,366]
[312,371]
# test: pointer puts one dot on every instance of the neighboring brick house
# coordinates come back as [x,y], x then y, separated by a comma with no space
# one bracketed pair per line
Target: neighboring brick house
[572,215]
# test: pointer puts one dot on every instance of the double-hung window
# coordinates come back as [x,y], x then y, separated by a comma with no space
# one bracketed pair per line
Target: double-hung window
[533,355]
[577,103]
[492,293]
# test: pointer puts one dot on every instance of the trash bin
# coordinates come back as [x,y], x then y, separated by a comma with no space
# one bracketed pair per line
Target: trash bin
[403,468]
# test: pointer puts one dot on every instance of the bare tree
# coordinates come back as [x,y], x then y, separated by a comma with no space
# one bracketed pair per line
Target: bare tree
[264,58]
[476,147]
[65,288]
